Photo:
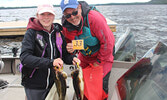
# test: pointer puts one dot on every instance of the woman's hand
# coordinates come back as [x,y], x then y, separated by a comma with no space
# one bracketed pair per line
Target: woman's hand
[58,63]
[70,48]
[75,61]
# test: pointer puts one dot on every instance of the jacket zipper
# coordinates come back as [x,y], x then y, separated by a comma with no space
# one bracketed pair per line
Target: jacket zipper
[51,58]
[54,46]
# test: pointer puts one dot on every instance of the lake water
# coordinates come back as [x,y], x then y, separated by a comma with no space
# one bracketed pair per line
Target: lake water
[147,22]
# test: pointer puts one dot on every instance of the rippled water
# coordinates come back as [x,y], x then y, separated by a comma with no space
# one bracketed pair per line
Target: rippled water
[147,22]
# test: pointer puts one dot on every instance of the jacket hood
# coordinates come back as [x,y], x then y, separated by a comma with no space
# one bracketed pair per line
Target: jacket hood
[34,24]
[85,10]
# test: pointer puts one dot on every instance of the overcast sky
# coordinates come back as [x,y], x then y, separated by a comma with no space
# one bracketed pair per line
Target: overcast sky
[18,3]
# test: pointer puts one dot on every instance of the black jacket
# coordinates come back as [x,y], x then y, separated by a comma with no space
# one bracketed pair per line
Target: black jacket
[31,52]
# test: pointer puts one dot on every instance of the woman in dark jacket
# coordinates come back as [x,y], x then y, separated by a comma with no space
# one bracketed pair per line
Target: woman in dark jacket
[43,47]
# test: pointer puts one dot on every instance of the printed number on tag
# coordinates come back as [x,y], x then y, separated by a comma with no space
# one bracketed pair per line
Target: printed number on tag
[78,44]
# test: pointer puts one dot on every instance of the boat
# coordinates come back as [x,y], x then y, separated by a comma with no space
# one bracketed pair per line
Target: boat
[3,83]
[12,75]
[146,79]
[18,28]
[1,64]
[125,49]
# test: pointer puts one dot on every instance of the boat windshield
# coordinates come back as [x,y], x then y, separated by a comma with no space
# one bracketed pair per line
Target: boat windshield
[146,80]
[125,49]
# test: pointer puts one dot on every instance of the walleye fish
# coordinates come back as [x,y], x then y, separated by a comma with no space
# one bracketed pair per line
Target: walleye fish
[78,82]
[60,81]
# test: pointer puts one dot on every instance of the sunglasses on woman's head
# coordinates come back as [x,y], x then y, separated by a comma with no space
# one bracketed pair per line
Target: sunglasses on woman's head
[74,13]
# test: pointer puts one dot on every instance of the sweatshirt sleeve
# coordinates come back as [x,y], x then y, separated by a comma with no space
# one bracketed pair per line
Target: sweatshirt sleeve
[102,32]
[67,57]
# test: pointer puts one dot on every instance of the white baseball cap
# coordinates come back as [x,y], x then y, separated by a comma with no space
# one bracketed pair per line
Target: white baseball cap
[45,8]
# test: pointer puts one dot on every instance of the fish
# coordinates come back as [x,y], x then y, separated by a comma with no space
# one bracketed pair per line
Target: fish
[78,82]
[60,81]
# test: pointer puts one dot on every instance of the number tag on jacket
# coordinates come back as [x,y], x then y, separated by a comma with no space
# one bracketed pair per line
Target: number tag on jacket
[78,44]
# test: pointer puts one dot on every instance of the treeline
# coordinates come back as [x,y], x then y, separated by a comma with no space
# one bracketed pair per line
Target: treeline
[23,7]
[136,3]
[16,7]
[158,2]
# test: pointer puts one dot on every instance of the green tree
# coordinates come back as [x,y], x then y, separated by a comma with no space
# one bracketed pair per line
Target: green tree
[158,1]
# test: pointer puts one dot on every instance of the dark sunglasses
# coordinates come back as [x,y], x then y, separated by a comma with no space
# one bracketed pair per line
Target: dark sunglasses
[74,13]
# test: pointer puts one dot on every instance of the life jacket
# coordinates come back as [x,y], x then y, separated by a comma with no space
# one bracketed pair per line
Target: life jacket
[91,44]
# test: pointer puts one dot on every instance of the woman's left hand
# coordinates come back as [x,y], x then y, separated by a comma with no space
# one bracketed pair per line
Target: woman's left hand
[76,60]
